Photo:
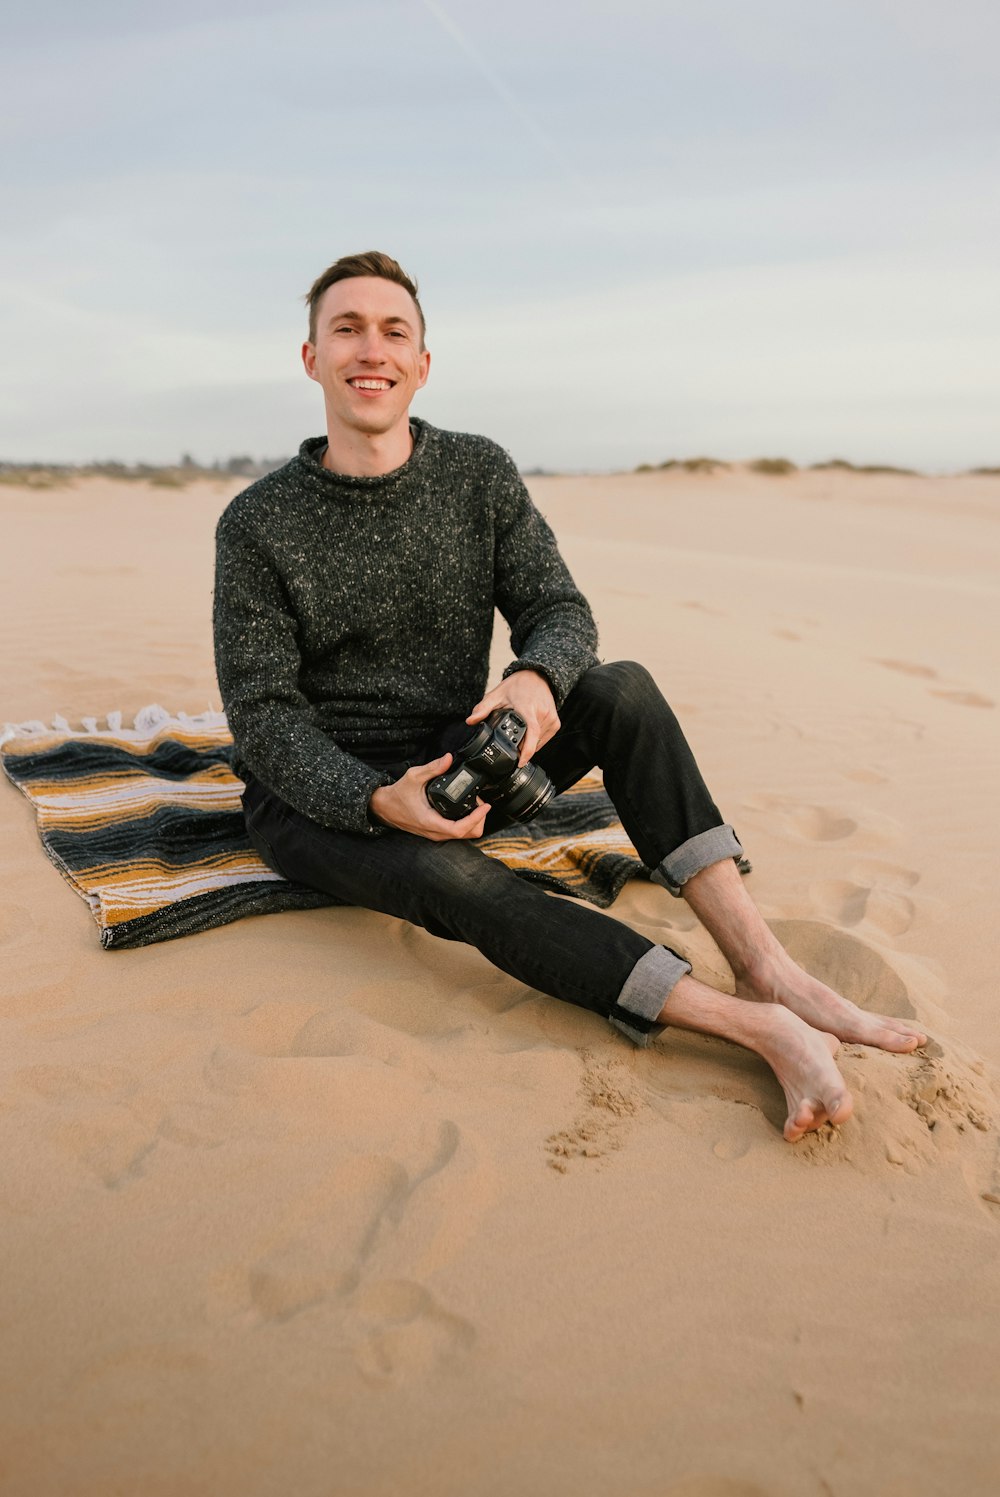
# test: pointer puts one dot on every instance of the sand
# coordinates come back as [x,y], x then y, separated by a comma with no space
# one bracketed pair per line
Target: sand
[318,1204]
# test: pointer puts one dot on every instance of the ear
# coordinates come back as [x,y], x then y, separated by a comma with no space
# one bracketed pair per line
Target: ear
[309,359]
[423,368]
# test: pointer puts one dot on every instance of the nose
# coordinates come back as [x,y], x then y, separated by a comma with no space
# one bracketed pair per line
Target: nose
[371,349]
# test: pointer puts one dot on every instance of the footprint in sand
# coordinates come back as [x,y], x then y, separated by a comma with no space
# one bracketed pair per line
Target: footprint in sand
[406,1333]
[326,1254]
[817,824]
[326,1239]
[101,1119]
[875,891]
[965,698]
[703,608]
[731,1147]
[878,873]
[958,695]
[113,1143]
[99,1116]
[908,668]
[863,775]
[812,823]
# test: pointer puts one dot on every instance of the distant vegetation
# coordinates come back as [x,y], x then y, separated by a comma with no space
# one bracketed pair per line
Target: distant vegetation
[772,465]
[784,465]
[839,462]
[688,464]
[58,475]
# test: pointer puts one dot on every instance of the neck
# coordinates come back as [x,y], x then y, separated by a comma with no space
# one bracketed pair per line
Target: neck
[361,454]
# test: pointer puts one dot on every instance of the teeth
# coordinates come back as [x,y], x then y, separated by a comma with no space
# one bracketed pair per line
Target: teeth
[371,384]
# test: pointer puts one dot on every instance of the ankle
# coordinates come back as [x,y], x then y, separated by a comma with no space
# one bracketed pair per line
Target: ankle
[693,1005]
[759,976]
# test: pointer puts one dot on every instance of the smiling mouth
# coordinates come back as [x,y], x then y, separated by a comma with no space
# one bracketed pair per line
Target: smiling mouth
[371,384]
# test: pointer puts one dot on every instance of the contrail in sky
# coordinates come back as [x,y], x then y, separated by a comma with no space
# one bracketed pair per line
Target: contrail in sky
[500,88]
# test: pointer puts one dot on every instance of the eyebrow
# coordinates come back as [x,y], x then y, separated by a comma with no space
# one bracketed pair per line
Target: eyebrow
[357,317]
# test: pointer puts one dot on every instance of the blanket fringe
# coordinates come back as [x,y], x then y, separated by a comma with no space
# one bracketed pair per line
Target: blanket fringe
[147,722]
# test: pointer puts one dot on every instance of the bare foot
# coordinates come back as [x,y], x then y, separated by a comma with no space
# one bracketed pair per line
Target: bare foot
[782,981]
[765,972]
[802,1059]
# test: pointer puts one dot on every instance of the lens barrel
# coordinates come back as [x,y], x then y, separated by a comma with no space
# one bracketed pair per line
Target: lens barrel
[523,794]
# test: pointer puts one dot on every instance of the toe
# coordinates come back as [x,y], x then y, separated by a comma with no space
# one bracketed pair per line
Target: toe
[839,1108]
[802,1120]
[812,1113]
[894,1039]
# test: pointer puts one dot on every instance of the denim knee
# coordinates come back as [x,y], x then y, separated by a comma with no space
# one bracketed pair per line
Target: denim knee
[454,872]
[620,685]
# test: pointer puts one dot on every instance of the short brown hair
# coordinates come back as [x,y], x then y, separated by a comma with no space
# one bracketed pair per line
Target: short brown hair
[372,263]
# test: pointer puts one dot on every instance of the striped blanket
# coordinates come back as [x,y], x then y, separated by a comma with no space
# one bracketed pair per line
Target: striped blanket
[145,823]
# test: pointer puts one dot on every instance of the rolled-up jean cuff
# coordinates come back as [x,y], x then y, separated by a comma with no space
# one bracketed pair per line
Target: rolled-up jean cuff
[696,853]
[645,992]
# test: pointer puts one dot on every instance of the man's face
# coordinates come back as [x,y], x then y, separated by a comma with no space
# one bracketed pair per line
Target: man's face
[367,354]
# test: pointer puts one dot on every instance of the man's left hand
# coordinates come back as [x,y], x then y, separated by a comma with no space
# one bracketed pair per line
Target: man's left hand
[530,695]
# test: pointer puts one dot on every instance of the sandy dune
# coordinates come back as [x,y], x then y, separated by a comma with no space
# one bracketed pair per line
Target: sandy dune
[317,1204]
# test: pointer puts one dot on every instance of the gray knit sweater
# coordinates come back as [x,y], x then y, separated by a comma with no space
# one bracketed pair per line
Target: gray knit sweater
[353,616]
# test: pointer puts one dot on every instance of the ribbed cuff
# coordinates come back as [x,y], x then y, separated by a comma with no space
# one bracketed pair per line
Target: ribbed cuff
[645,992]
[695,854]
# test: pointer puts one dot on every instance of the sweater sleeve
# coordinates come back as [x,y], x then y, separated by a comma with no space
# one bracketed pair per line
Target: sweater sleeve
[552,629]
[273,725]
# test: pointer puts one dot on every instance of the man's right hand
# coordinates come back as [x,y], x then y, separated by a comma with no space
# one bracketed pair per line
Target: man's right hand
[404,804]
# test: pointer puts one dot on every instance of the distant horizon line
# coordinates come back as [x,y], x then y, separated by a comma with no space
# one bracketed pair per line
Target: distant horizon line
[176,475]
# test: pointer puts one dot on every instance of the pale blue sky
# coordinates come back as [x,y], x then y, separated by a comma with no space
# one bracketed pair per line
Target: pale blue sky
[641,229]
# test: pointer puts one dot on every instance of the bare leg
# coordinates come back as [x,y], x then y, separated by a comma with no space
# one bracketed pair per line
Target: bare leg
[765,973]
[800,1056]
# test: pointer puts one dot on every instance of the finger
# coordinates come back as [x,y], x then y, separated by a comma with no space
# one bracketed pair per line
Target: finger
[549,731]
[486,704]
[545,732]
[529,743]
[472,825]
[424,773]
[438,828]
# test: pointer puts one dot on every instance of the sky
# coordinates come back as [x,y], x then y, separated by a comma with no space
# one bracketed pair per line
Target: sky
[642,230]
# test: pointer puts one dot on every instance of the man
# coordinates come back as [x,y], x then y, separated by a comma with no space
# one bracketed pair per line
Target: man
[354,605]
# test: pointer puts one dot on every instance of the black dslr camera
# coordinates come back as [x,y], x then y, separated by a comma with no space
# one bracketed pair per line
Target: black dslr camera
[484,766]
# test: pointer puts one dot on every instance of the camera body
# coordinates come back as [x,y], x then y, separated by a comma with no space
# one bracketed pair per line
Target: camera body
[484,767]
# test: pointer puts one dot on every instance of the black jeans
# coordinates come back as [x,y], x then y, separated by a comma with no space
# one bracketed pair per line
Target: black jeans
[615,717]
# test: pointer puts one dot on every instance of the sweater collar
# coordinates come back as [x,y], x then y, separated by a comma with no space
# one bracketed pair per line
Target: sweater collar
[311,457]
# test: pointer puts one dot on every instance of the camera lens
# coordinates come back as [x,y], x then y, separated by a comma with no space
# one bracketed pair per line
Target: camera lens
[523,794]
